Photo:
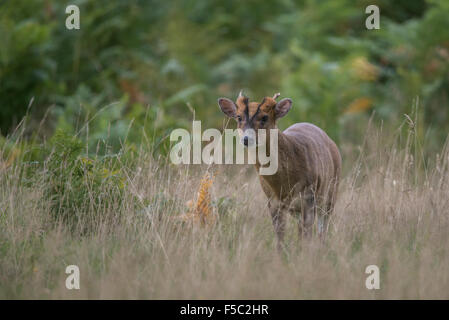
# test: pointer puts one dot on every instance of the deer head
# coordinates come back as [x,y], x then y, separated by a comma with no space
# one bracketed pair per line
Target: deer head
[254,116]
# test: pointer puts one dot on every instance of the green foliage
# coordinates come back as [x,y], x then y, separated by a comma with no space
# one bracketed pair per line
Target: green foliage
[137,69]
[25,66]
[76,183]
[224,205]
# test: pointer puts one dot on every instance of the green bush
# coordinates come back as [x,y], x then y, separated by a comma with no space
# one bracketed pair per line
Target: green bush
[77,185]
[140,68]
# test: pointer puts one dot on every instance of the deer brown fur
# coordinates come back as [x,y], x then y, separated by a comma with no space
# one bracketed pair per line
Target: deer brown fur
[309,164]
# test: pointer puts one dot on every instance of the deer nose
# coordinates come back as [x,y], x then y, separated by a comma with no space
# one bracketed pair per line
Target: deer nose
[245,141]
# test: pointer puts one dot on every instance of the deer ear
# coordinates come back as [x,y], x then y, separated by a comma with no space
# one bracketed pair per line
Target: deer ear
[228,107]
[282,107]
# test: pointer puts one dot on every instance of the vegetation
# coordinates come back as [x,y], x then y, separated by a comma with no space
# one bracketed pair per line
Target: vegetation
[84,120]
[139,62]
[392,212]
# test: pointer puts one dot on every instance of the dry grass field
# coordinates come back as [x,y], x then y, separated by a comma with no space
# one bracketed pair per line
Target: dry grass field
[130,243]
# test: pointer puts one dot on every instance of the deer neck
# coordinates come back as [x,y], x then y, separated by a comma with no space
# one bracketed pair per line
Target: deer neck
[282,150]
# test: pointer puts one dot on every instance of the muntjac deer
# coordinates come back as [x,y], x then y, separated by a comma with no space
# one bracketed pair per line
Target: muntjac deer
[309,164]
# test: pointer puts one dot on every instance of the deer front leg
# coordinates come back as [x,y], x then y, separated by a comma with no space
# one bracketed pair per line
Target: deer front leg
[308,217]
[323,225]
[323,220]
[278,219]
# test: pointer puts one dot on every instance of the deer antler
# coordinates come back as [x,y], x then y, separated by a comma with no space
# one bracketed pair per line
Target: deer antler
[276,95]
[240,93]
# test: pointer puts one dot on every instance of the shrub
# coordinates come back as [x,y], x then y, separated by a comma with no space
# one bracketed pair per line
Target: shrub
[78,186]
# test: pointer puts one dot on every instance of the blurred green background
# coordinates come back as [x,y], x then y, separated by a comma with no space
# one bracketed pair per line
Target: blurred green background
[137,69]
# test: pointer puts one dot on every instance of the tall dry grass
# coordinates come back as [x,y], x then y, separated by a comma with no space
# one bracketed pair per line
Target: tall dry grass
[392,211]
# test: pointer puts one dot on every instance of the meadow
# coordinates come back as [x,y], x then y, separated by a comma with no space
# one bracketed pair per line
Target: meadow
[120,219]
[85,175]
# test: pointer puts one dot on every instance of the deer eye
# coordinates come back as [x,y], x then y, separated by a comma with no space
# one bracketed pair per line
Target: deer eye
[264,119]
